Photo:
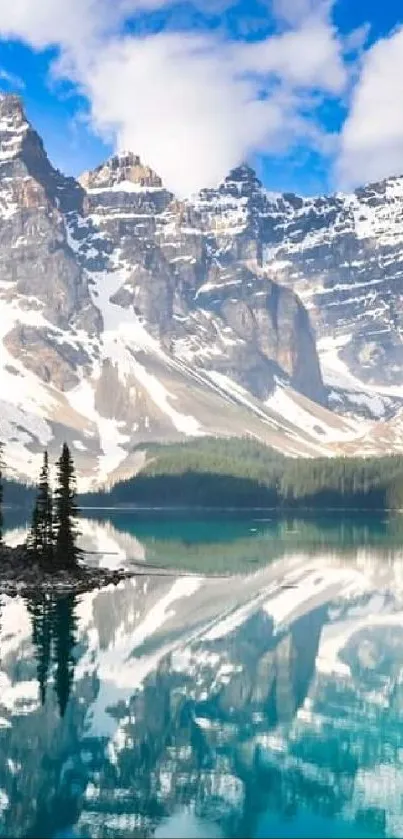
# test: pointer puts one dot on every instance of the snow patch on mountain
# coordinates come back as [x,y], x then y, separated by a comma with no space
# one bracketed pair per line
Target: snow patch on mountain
[111,439]
[350,393]
[26,403]
[282,403]
[188,425]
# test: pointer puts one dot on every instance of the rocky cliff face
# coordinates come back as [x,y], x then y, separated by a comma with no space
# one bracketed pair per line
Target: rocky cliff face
[342,255]
[206,305]
[127,315]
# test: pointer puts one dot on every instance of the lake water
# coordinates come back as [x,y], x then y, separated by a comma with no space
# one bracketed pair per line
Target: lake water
[265,704]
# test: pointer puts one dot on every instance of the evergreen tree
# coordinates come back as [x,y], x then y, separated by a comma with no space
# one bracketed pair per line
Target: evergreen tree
[66,512]
[41,537]
[46,508]
[1,492]
[33,541]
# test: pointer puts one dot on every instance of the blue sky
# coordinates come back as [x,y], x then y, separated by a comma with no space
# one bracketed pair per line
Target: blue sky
[309,91]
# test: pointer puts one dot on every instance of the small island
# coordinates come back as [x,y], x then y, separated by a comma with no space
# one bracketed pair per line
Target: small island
[50,560]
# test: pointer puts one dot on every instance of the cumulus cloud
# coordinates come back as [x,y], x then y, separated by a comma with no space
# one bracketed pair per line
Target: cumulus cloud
[295,11]
[75,24]
[309,57]
[47,23]
[174,100]
[192,105]
[371,144]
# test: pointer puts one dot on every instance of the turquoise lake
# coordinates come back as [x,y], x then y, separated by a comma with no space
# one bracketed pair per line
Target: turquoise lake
[247,682]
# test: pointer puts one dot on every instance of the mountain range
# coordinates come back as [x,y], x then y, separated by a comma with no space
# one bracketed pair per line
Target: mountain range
[128,315]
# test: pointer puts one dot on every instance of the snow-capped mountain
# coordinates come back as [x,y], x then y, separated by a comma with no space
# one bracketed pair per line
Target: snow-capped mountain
[128,316]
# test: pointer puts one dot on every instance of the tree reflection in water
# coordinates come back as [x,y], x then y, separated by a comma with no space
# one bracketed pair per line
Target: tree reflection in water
[54,628]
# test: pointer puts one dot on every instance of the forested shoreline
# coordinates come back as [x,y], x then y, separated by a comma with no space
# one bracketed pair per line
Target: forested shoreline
[215,473]
[218,473]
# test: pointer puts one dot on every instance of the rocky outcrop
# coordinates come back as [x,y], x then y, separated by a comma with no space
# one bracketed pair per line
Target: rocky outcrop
[119,172]
[46,355]
[21,573]
[36,260]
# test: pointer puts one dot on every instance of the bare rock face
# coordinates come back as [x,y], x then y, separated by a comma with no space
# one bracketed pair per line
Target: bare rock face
[343,256]
[35,257]
[125,168]
[54,362]
[177,266]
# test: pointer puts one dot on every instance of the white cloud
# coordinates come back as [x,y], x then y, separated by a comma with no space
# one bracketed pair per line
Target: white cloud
[75,24]
[174,100]
[11,79]
[295,11]
[48,22]
[357,39]
[194,106]
[311,56]
[191,105]
[371,145]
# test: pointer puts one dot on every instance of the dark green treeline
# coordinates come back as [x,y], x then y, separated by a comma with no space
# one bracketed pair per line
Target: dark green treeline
[243,473]
[214,472]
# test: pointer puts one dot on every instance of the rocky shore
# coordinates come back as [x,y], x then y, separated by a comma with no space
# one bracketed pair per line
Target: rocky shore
[20,574]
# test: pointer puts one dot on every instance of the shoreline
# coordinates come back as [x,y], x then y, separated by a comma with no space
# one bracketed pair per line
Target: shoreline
[277,512]
[188,508]
[20,575]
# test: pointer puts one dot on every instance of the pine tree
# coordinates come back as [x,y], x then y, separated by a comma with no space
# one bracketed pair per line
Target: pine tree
[66,511]
[41,537]
[1,493]
[46,508]
[33,541]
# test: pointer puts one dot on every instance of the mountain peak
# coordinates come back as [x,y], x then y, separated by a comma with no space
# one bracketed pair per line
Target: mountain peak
[243,172]
[124,170]
[242,182]
[11,105]
[13,126]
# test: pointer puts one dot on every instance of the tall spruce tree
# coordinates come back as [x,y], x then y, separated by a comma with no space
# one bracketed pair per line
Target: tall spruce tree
[33,541]
[41,537]
[67,552]
[1,492]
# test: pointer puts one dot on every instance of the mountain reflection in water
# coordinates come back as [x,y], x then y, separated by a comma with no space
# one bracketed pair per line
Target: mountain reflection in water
[268,704]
